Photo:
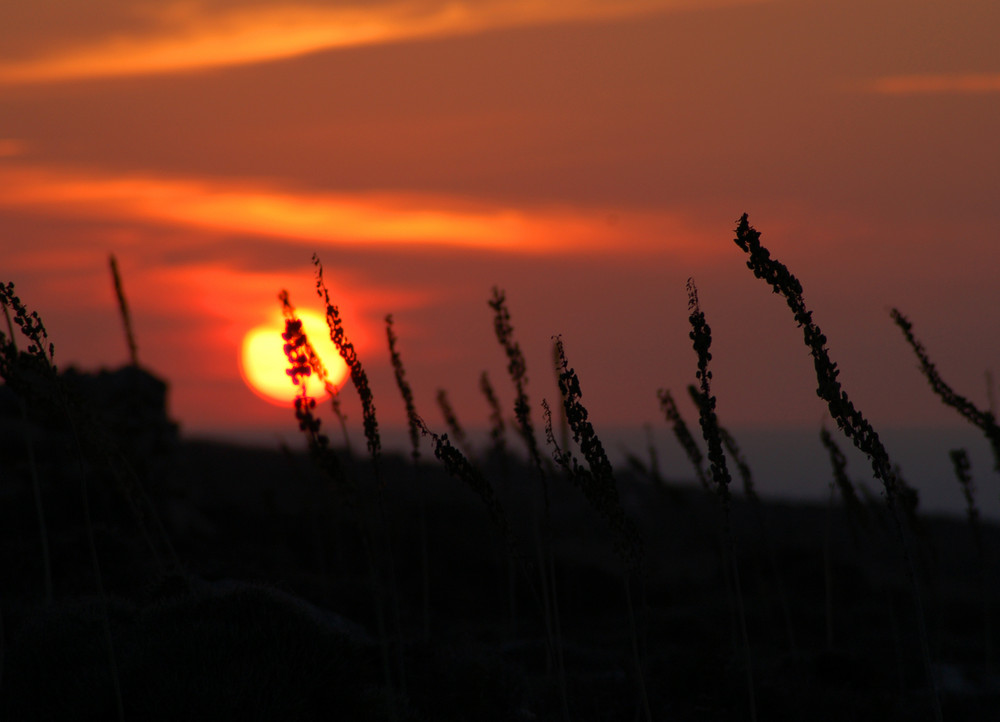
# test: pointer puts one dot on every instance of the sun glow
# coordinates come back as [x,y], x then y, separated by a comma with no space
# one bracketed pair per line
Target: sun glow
[263,363]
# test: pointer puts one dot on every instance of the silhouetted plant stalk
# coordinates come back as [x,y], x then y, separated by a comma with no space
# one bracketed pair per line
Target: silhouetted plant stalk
[302,363]
[133,352]
[358,376]
[462,469]
[360,381]
[856,517]
[40,356]
[985,421]
[849,419]
[684,437]
[750,492]
[451,421]
[498,451]
[9,356]
[960,462]
[701,337]
[412,420]
[856,513]
[693,452]
[598,485]
[517,369]
[498,428]
[414,425]
[563,421]
[732,448]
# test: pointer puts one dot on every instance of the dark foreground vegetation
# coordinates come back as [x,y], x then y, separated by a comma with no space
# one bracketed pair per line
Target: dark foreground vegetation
[154,578]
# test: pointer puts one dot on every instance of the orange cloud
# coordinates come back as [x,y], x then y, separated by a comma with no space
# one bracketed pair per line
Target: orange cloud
[936,83]
[191,37]
[341,219]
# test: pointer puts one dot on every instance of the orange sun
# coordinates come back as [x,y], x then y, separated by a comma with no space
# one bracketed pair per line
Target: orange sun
[263,362]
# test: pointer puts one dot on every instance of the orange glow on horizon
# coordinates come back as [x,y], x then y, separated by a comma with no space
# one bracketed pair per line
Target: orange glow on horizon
[263,363]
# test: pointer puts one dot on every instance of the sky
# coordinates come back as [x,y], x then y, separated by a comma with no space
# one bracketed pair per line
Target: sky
[585,156]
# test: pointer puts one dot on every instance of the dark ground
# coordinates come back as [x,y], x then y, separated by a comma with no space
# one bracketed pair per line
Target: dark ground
[276,614]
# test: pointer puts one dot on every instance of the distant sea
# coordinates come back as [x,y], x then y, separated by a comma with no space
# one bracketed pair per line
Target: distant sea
[788,464]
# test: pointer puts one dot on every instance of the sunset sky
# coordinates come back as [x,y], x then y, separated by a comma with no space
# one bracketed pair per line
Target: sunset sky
[587,156]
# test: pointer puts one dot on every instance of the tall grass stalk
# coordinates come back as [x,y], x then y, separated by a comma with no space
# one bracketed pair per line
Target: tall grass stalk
[563,421]
[498,451]
[683,435]
[9,356]
[360,381]
[498,428]
[597,481]
[358,376]
[701,336]
[517,370]
[459,466]
[452,422]
[857,514]
[41,355]
[413,424]
[985,421]
[303,361]
[963,472]
[693,452]
[133,352]
[849,419]
[750,492]
[598,485]
[856,517]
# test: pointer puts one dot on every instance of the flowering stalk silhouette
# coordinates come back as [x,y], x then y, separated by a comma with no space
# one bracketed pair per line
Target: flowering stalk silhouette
[849,419]
[598,485]
[701,338]
[684,437]
[498,427]
[415,428]
[34,372]
[405,390]
[517,368]
[360,381]
[302,363]
[985,421]
[462,469]
[451,420]
[358,376]
[855,509]
[597,482]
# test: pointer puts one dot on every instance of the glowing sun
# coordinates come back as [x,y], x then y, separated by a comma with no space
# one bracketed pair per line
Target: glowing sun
[263,362]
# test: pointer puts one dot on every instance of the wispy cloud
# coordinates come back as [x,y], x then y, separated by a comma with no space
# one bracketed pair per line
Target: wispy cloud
[187,37]
[936,83]
[339,219]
